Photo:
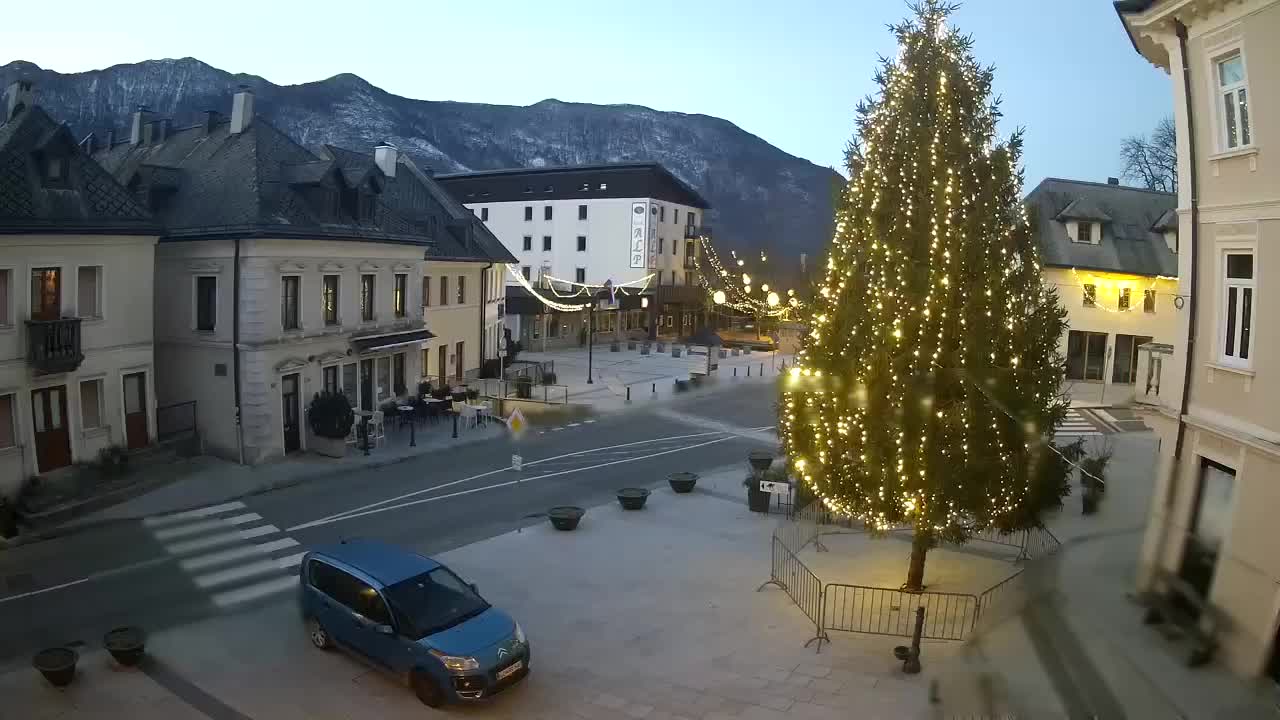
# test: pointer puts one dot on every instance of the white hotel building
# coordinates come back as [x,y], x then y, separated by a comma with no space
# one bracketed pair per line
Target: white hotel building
[592,224]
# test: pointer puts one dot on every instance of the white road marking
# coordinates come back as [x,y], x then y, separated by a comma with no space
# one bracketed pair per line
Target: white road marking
[205,543]
[44,590]
[353,515]
[239,572]
[574,424]
[254,592]
[291,561]
[237,553]
[158,520]
[195,528]
[493,472]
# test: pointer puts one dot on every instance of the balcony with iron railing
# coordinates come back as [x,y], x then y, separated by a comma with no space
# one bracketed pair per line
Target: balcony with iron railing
[53,346]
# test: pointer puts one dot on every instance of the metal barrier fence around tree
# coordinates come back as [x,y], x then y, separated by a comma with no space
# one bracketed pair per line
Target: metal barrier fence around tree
[885,611]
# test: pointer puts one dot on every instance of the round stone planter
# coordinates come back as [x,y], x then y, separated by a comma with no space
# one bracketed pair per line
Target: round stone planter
[902,652]
[58,665]
[682,482]
[565,517]
[675,352]
[632,498]
[760,460]
[615,347]
[631,345]
[126,645]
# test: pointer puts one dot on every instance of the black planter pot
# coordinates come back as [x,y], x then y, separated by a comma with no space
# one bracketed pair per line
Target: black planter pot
[126,645]
[632,498]
[58,665]
[757,499]
[565,517]
[682,482]
[760,460]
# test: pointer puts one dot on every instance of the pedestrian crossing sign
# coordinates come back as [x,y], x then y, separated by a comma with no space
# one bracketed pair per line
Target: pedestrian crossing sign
[517,423]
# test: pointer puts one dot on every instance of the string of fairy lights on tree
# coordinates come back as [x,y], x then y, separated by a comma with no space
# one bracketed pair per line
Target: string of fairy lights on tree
[929,378]
[734,288]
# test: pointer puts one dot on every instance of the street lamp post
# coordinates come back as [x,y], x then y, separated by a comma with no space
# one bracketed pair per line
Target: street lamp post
[591,331]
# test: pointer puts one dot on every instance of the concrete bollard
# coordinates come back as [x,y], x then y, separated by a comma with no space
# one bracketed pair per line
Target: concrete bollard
[748,371]
[628,393]
[735,372]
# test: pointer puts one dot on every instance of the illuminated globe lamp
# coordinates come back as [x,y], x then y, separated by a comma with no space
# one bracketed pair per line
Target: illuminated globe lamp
[772,299]
[718,297]
[746,279]
[746,289]
[765,287]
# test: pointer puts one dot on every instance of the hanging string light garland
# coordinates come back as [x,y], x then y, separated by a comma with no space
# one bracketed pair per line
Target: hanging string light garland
[720,286]
[633,287]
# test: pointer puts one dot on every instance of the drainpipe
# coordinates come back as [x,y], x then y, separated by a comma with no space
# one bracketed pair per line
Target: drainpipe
[484,307]
[235,347]
[1180,441]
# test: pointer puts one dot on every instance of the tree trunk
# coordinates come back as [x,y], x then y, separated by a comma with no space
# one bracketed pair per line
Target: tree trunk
[921,541]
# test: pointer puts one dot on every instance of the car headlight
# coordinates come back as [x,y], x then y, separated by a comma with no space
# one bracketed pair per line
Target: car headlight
[454,663]
[520,635]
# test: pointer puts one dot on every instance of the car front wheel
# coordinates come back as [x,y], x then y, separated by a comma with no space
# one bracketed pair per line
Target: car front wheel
[319,636]
[427,690]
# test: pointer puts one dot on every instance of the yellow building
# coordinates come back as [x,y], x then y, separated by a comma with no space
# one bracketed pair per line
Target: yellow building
[1211,522]
[1111,252]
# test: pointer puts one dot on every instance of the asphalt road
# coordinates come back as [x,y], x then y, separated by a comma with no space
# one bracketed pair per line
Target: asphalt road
[158,573]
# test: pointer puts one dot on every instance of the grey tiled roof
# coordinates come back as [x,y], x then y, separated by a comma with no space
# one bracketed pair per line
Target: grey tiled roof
[215,183]
[1083,208]
[91,201]
[1129,242]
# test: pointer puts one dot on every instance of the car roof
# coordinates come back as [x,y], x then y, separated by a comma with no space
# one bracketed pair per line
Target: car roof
[381,561]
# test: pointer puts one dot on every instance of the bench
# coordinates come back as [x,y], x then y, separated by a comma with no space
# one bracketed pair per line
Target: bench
[1173,600]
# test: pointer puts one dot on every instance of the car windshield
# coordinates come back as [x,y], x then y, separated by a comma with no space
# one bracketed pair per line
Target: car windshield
[434,601]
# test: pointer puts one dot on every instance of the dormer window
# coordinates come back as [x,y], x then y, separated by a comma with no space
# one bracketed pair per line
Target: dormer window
[1084,232]
[54,171]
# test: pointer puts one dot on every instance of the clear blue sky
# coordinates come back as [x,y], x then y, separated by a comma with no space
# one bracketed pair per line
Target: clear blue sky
[790,72]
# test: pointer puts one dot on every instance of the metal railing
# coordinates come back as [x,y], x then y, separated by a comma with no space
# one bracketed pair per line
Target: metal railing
[176,420]
[508,390]
[884,611]
[800,584]
[994,596]
[53,346]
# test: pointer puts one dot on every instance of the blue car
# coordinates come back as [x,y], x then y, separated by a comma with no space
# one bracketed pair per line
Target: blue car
[413,617]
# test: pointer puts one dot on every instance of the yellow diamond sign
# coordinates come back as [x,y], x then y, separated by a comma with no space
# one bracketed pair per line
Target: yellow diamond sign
[517,423]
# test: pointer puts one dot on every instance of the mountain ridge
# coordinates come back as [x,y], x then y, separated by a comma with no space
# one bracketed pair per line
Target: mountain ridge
[763,198]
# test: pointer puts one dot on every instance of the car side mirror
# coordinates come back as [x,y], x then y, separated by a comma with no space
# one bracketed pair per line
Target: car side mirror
[384,630]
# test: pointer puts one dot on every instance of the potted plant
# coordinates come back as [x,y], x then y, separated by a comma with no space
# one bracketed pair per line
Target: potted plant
[632,498]
[524,387]
[126,645]
[682,482]
[113,460]
[424,389]
[330,417]
[58,665]
[757,499]
[565,517]
[662,347]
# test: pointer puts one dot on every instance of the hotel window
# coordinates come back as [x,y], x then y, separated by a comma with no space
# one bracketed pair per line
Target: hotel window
[367,284]
[528,242]
[1086,355]
[582,243]
[289,302]
[1123,299]
[426,292]
[206,303]
[8,438]
[462,289]
[580,275]
[1084,232]
[1090,295]
[329,298]
[546,243]
[329,377]
[484,214]
[1124,363]
[401,297]
[662,214]
[89,292]
[546,213]
[444,290]
[675,216]
[1149,300]
[528,213]
[1232,87]
[91,404]
[1237,308]
[582,212]
[661,245]
[525,271]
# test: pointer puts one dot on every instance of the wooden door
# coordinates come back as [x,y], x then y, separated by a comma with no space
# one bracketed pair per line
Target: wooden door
[443,365]
[49,420]
[46,293]
[135,411]
[457,363]
[290,411]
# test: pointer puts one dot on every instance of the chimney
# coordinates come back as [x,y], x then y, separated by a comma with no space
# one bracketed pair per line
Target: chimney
[1113,181]
[149,132]
[166,128]
[211,118]
[17,97]
[139,121]
[89,144]
[384,155]
[111,138]
[241,110]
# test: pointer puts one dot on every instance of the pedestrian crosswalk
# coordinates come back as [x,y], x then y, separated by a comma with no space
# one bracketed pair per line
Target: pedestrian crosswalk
[1076,425]
[233,555]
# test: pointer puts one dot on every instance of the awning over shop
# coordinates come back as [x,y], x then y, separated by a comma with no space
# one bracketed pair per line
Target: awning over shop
[384,341]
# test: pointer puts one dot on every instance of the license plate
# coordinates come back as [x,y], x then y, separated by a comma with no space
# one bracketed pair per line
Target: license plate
[510,670]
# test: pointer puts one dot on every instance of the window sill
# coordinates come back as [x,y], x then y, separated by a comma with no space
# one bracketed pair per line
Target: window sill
[96,432]
[92,320]
[7,328]
[11,450]
[1231,369]
[1250,152]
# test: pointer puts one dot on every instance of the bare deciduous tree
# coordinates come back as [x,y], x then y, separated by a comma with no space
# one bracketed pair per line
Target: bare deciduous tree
[1152,161]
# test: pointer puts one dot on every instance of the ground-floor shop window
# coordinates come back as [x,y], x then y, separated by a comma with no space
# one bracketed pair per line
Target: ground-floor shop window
[8,437]
[1210,523]
[1086,355]
[1126,357]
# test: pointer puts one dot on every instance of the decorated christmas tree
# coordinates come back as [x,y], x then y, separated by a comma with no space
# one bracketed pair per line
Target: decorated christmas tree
[929,383]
